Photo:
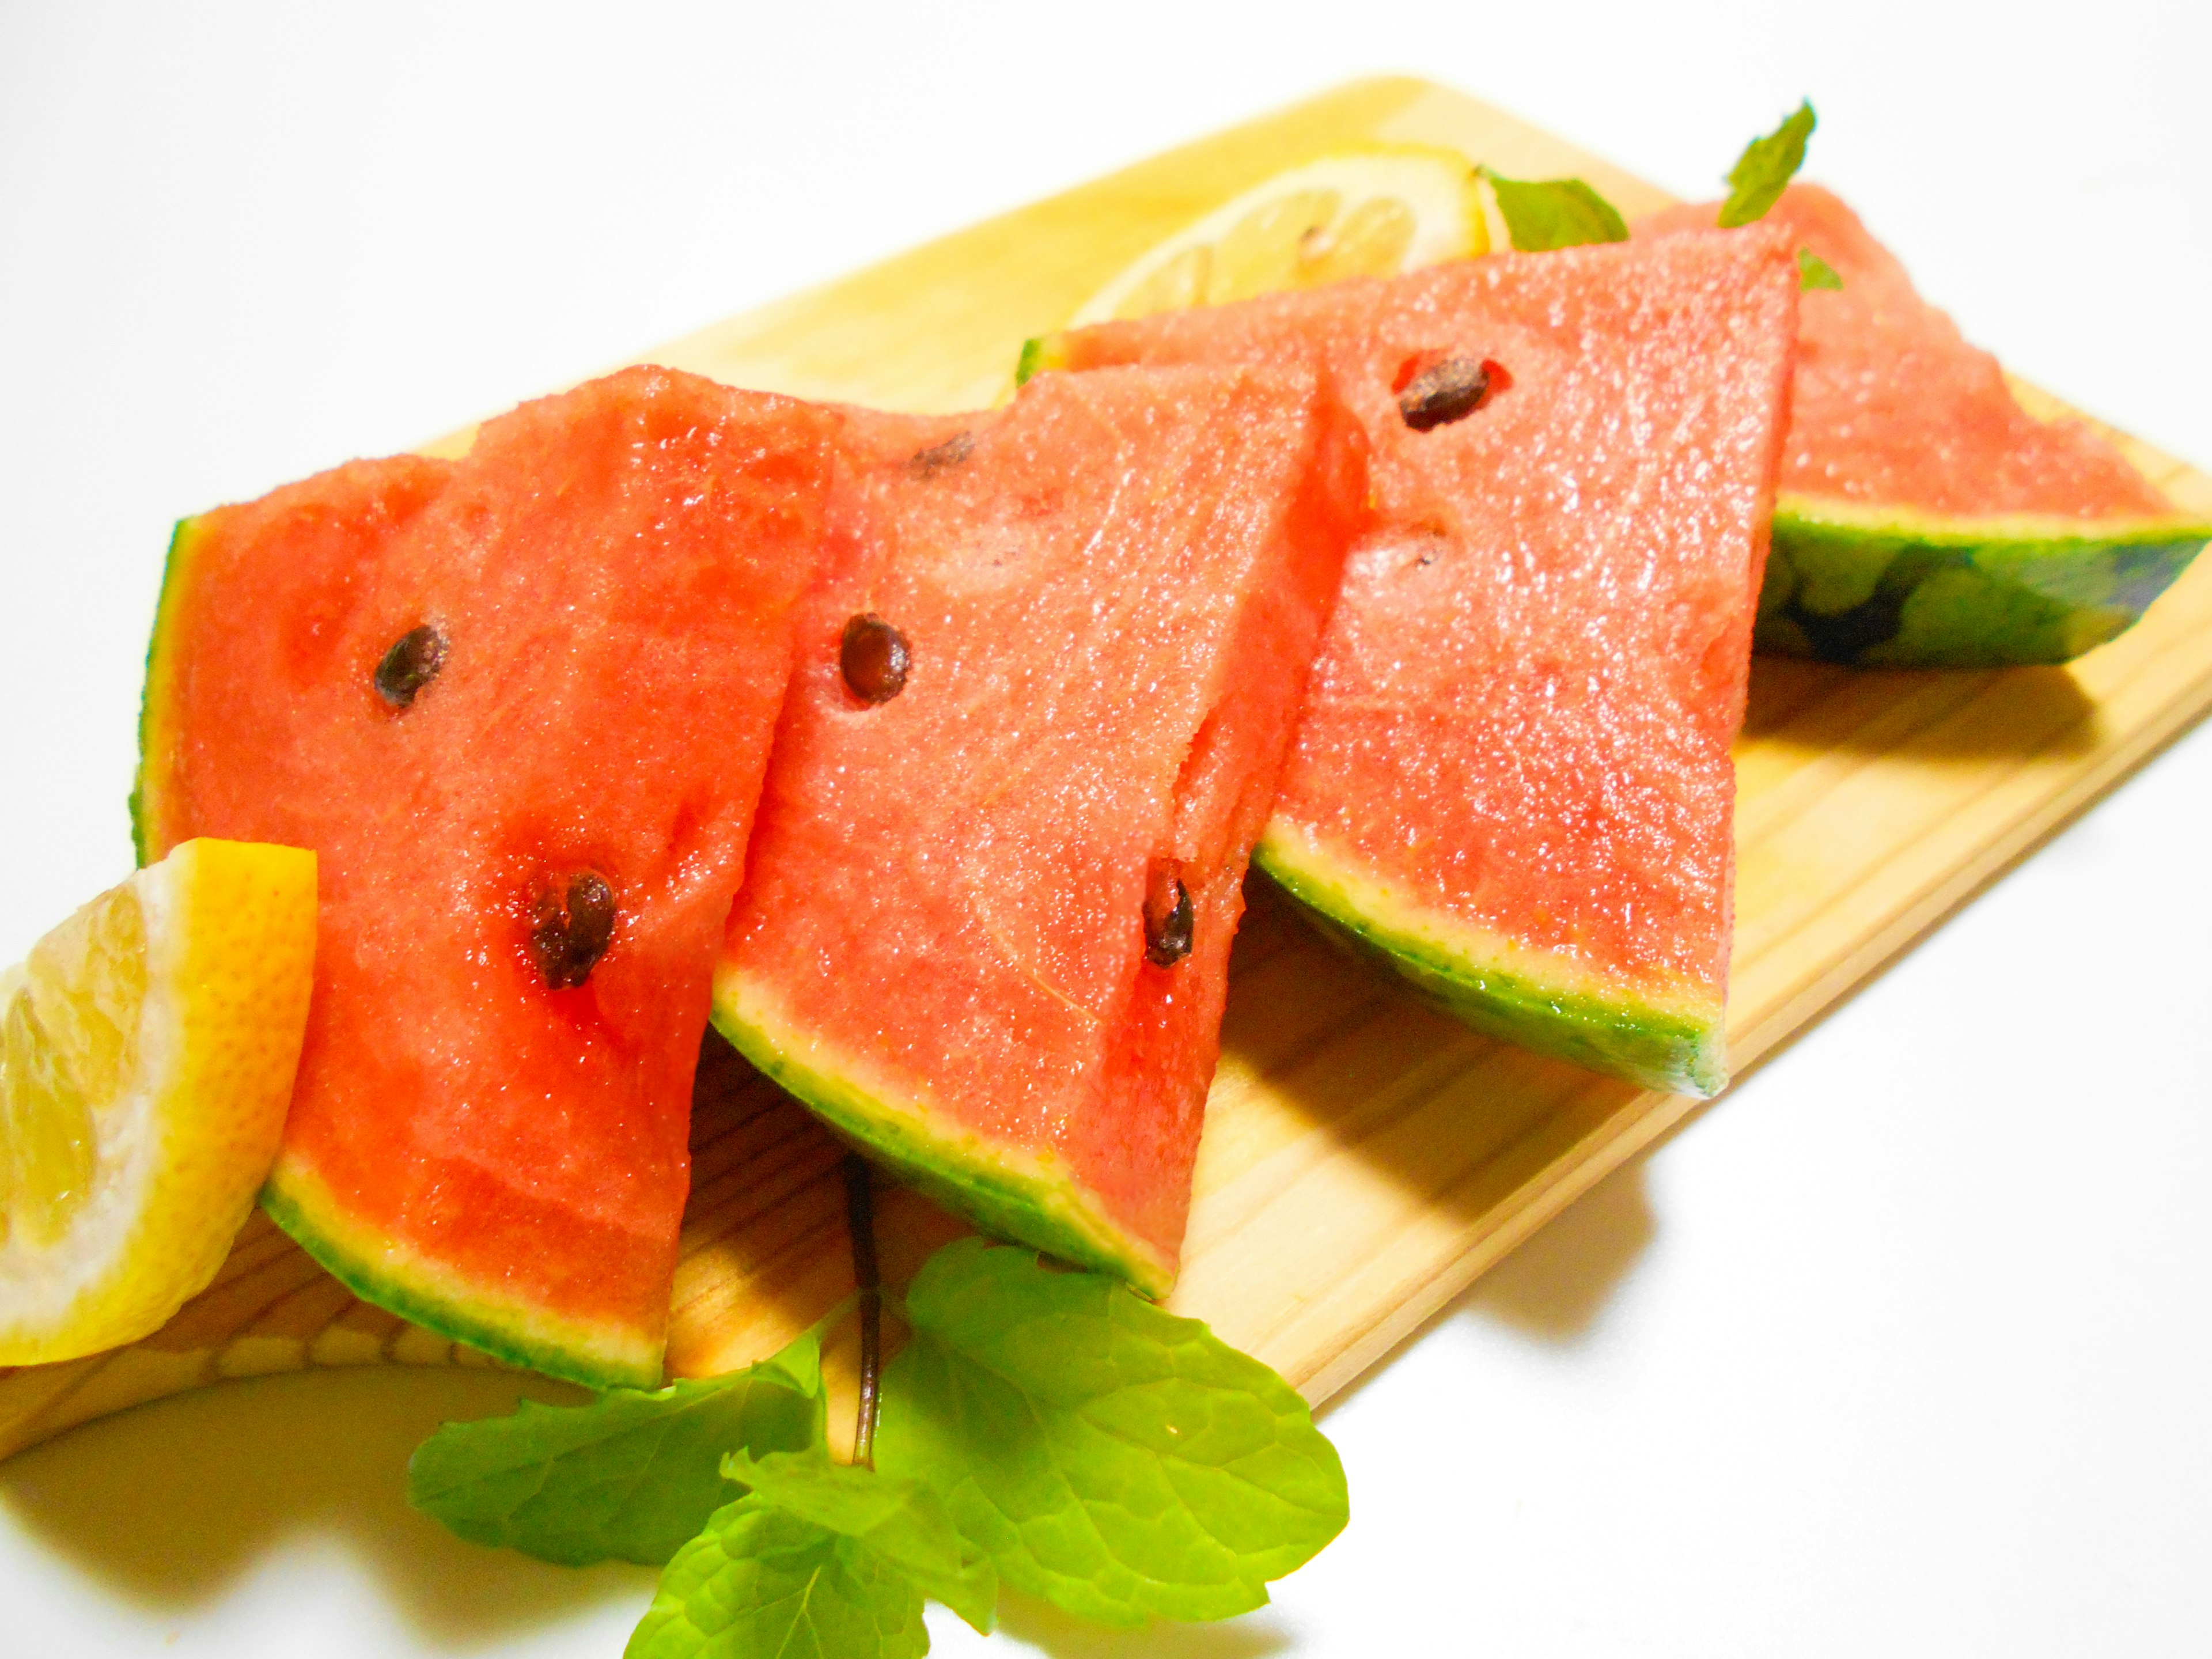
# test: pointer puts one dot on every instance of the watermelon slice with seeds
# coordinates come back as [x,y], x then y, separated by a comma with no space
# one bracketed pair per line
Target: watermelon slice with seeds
[1042,699]
[1511,781]
[1925,518]
[520,705]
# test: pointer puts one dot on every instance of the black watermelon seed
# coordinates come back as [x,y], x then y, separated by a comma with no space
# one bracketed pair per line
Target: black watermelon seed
[928,462]
[567,944]
[1445,392]
[412,662]
[874,657]
[1170,919]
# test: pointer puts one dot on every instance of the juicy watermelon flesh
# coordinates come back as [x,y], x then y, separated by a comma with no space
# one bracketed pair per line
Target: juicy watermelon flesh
[1112,600]
[1891,407]
[1512,776]
[1925,518]
[614,571]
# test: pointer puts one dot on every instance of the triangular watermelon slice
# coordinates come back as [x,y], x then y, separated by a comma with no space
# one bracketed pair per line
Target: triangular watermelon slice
[1924,517]
[1512,777]
[1042,697]
[520,705]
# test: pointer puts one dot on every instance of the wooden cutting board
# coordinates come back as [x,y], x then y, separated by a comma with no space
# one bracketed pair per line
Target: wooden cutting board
[1363,1159]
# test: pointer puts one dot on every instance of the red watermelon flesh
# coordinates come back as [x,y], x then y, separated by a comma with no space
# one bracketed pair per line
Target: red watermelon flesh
[1512,777]
[1891,405]
[613,574]
[1111,592]
[1925,519]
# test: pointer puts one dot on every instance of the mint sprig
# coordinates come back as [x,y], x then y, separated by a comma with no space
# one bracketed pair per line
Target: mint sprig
[1047,1429]
[820,1558]
[1108,1456]
[899,1520]
[630,1477]
[1813,271]
[1543,215]
[760,1579]
[1767,165]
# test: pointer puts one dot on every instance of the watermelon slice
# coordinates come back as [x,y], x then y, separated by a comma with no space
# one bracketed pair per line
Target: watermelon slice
[1512,778]
[520,705]
[1043,697]
[1925,518]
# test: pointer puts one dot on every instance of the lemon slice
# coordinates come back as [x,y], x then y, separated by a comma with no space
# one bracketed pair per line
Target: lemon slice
[147,1050]
[1373,211]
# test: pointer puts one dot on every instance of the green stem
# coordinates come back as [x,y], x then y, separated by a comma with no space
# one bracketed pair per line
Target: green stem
[861,1216]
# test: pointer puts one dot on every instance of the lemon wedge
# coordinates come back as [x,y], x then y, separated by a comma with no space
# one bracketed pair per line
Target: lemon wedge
[147,1049]
[1372,211]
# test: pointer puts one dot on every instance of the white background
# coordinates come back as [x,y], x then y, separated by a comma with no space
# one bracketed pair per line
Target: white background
[1904,1347]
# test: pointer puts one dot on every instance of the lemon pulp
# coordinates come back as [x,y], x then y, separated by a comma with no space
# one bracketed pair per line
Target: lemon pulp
[68,1039]
[1369,212]
[146,1048]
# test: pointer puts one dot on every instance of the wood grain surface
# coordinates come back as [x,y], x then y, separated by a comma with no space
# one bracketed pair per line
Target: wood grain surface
[1363,1159]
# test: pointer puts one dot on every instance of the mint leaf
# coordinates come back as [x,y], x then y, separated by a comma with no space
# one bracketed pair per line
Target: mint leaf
[1113,1459]
[899,1520]
[628,1477]
[1039,353]
[1554,213]
[762,1580]
[1765,166]
[1813,271]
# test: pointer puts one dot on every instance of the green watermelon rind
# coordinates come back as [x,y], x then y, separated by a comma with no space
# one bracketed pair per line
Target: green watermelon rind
[1502,990]
[1885,587]
[297,1201]
[1014,1193]
[173,569]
